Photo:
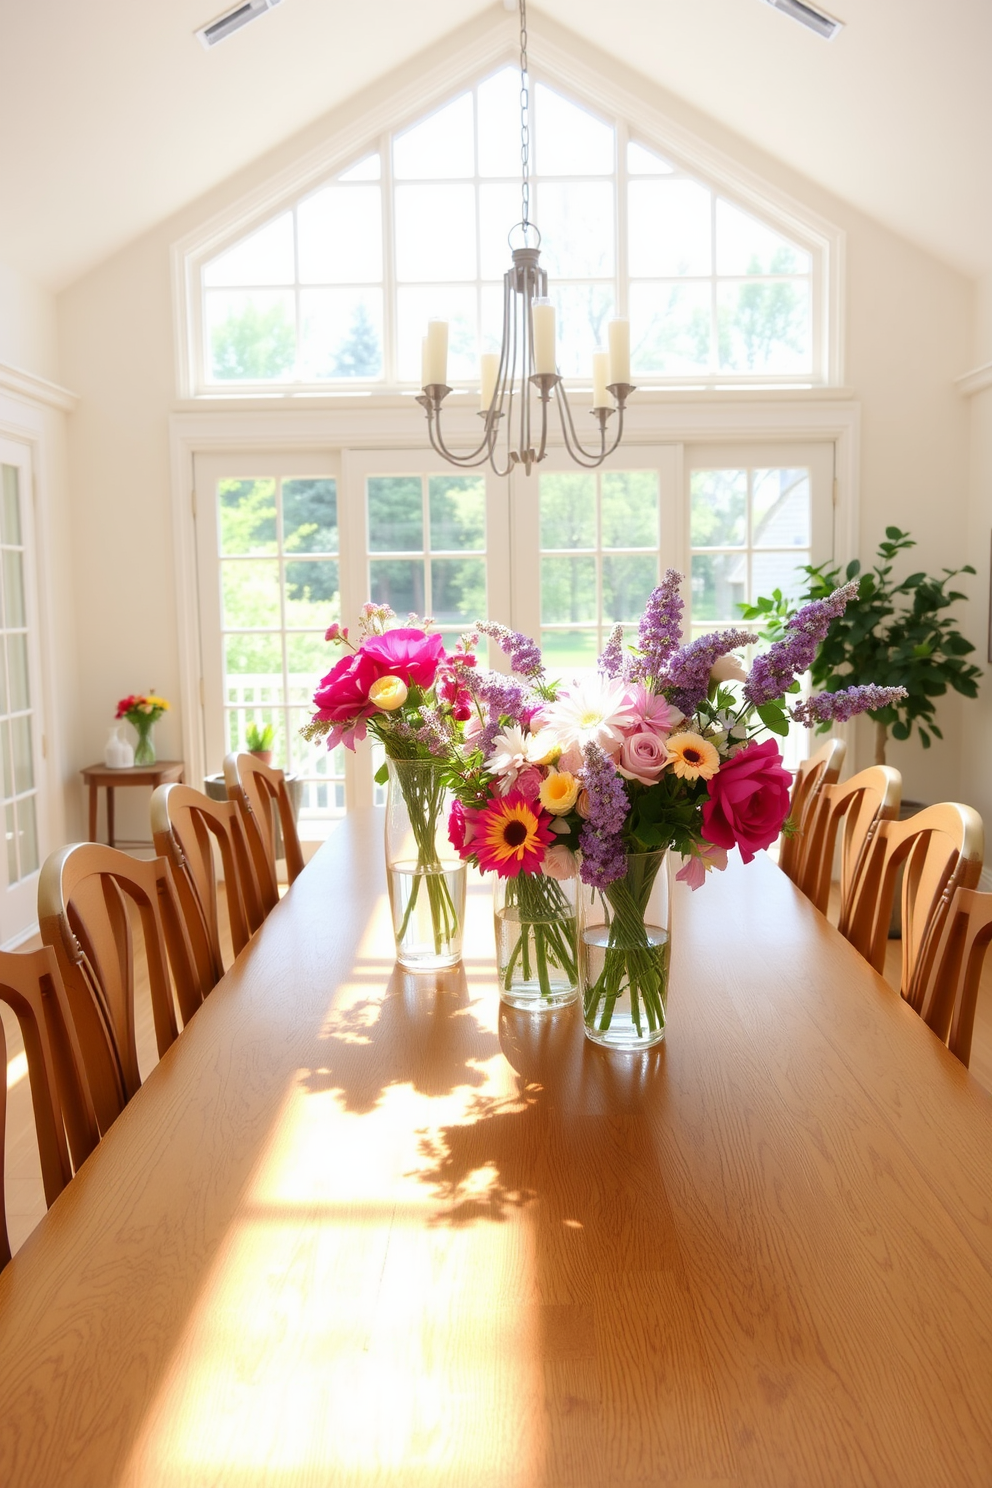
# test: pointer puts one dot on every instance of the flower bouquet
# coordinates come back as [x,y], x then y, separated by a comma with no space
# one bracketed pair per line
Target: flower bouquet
[399,684]
[660,751]
[142,712]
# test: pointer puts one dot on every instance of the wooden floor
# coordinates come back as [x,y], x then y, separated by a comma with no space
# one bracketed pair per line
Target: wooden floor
[23,1187]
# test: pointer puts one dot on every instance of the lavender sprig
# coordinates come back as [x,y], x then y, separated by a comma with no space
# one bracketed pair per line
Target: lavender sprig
[838,707]
[773,674]
[499,697]
[687,678]
[660,629]
[604,857]
[525,654]
[614,662]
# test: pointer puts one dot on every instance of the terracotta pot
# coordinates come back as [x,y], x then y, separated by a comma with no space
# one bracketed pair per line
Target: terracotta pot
[265,755]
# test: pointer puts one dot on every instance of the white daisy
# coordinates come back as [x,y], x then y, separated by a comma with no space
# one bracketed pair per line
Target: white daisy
[594,712]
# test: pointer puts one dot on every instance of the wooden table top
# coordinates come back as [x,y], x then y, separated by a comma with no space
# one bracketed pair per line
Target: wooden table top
[154,774]
[361,1228]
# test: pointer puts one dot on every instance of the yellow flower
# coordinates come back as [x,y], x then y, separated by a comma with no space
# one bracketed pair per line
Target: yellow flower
[157,702]
[692,757]
[388,693]
[559,792]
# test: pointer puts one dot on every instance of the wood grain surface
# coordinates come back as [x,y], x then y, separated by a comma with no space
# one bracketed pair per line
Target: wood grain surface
[366,1228]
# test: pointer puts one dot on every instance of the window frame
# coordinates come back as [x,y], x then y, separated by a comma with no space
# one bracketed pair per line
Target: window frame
[590,89]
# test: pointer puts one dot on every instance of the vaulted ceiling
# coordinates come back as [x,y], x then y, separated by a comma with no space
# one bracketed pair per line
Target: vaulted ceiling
[112,116]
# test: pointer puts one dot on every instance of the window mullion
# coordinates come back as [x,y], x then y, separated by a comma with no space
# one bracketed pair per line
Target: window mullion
[390,359]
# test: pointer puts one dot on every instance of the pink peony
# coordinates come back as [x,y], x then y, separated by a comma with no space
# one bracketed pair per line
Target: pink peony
[643,757]
[748,800]
[412,655]
[342,698]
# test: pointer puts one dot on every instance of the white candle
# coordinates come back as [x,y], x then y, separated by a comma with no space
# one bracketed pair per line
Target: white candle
[600,375]
[424,363]
[619,351]
[544,336]
[437,353]
[490,367]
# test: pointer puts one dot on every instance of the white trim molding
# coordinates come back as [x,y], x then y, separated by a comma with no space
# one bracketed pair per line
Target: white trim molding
[563,60]
[975,381]
[26,385]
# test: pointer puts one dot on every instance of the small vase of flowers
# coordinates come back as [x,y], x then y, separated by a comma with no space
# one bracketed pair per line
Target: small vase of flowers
[142,712]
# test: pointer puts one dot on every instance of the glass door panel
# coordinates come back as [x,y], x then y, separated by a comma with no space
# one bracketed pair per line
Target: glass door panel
[20,695]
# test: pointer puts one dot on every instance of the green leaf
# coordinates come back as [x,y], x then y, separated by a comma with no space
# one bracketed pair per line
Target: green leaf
[773,717]
[382,774]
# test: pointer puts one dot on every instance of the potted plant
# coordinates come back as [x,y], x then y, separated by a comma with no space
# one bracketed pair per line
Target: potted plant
[259,738]
[893,634]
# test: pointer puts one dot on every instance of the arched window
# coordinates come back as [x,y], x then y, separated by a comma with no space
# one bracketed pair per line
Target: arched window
[333,291]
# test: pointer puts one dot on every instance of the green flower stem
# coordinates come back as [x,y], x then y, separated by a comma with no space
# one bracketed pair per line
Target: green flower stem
[423,792]
[547,931]
[630,963]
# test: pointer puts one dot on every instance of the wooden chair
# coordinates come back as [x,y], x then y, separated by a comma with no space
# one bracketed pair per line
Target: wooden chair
[946,997]
[32,988]
[822,768]
[185,825]
[941,849]
[83,896]
[260,791]
[871,796]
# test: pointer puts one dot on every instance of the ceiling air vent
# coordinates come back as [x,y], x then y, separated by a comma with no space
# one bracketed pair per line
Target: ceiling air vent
[233,20]
[814,20]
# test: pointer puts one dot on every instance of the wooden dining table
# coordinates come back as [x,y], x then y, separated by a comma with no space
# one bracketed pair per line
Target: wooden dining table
[363,1227]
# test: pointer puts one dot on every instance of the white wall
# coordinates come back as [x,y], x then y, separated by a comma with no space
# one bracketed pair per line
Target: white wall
[908,335]
[976,771]
[28,330]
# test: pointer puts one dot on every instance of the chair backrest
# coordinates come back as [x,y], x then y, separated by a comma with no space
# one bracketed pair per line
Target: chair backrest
[871,796]
[32,988]
[83,896]
[948,994]
[185,824]
[940,850]
[261,792]
[822,768]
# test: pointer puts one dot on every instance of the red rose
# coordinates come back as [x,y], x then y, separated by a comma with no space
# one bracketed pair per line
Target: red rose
[410,654]
[344,693]
[748,800]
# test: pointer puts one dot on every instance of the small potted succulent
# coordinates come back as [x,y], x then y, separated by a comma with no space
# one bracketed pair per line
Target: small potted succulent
[259,739]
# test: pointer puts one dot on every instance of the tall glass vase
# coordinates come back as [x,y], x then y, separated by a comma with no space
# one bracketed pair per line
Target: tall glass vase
[144,750]
[536,941]
[426,876]
[624,955]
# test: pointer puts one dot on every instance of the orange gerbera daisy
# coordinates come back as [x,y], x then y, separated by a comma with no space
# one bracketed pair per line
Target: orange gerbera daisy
[692,757]
[511,835]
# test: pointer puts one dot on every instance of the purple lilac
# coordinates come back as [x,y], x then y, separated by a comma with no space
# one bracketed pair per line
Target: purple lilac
[525,654]
[604,857]
[660,629]
[501,696]
[614,662]
[687,678]
[838,707]
[773,673]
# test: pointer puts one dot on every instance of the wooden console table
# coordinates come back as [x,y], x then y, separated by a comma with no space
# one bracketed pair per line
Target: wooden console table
[162,772]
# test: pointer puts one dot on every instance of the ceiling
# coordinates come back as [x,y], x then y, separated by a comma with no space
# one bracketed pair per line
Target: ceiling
[113,116]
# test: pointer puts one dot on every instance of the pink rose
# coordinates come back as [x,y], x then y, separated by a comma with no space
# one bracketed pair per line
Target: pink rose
[571,761]
[410,654]
[559,863]
[461,829]
[643,757]
[748,800]
[529,782]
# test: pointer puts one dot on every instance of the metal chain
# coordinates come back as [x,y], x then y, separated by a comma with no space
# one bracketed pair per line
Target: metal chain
[524,122]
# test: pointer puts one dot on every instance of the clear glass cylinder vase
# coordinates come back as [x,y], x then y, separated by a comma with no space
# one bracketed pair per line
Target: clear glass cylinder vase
[536,941]
[144,750]
[426,877]
[624,955]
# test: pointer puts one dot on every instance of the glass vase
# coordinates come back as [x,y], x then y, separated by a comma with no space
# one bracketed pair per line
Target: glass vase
[144,750]
[624,955]
[426,876]
[536,941]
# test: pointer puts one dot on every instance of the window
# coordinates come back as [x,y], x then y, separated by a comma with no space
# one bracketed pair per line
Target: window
[335,289]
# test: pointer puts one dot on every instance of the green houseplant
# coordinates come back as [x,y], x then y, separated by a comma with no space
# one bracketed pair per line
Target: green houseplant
[259,739]
[894,634]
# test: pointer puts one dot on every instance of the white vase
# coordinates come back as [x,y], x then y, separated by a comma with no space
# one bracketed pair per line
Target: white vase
[118,754]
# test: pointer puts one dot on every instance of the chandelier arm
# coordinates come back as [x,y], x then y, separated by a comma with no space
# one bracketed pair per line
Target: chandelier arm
[587,458]
[478,456]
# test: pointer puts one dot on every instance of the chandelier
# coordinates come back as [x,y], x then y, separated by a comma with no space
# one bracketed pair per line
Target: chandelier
[526,359]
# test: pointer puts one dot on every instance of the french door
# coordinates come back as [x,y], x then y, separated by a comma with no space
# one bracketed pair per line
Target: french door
[21,724]
[288,543]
